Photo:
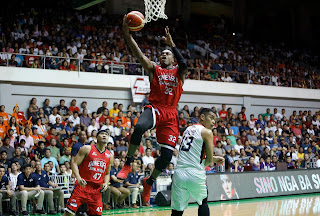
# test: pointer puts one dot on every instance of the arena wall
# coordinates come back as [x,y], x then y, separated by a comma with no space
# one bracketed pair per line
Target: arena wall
[19,85]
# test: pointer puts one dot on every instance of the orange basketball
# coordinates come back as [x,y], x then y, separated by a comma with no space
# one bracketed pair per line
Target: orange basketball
[136,20]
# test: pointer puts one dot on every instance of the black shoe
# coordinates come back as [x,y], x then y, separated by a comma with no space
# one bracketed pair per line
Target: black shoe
[25,213]
[52,212]
[40,211]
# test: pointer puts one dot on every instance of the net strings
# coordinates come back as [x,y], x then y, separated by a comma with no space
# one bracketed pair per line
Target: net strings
[154,9]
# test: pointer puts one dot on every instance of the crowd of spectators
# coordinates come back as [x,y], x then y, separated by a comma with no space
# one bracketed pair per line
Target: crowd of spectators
[41,143]
[71,36]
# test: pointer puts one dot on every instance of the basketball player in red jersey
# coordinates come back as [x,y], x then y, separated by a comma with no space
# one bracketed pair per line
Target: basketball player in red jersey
[93,175]
[166,82]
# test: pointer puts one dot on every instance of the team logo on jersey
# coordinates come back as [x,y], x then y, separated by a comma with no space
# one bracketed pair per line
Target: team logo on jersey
[94,154]
[107,155]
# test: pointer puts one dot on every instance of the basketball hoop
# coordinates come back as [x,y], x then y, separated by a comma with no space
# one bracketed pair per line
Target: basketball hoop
[154,9]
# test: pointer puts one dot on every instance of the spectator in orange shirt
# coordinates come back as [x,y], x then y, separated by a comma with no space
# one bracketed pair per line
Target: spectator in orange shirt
[3,129]
[4,115]
[123,119]
[14,126]
[73,106]
[36,137]
[223,113]
[19,115]
[136,119]
[129,115]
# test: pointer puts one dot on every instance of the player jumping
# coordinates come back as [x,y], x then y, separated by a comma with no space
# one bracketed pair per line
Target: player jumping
[166,81]
[189,177]
[93,175]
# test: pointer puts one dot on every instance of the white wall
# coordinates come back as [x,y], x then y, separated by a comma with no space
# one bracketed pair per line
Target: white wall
[19,85]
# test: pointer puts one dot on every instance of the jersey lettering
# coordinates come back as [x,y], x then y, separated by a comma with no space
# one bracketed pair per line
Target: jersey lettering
[172,138]
[186,143]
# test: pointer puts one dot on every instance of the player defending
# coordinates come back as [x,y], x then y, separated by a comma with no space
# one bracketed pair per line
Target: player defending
[189,177]
[166,83]
[93,175]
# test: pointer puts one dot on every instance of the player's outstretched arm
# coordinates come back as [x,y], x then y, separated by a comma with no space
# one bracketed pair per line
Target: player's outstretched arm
[148,65]
[106,179]
[83,152]
[207,137]
[182,63]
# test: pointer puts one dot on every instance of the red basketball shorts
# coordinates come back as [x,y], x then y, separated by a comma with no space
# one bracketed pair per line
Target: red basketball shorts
[167,125]
[88,194]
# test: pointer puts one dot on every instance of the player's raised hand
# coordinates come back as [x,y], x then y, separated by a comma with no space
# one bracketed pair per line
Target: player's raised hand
[82,182]
[218,159]
[104,187]
[125,25]
[168,38]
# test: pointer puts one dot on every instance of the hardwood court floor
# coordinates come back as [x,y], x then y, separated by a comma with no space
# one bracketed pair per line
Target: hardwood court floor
[308,204]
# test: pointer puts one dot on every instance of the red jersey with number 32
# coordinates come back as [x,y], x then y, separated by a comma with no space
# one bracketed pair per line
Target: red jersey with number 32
[166,87]
[95,166]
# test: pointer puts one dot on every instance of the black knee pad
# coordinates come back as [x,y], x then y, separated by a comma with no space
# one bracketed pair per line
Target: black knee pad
[163,161]
[137,134]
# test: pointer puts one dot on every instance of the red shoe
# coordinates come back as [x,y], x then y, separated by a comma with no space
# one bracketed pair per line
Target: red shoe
[124,172]
[146,191]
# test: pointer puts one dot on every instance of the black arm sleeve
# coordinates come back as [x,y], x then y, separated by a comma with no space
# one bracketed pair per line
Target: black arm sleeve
[181,61]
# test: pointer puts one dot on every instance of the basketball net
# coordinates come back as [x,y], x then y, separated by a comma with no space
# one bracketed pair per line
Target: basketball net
[154,9]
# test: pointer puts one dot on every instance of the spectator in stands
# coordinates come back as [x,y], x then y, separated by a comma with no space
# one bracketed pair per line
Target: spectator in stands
[53,134]
[63,110]
[47,158]
[218,150]
[132,183]
[92,127]
[47,108]
[66,156]
[50,189]
[6,192]
[114,111]
[148,159]
[122,118]
[14,126]
[29,187]
[223,113]
[4,115]
[73,107]
[233,161]
[33,109]
[74,119]
[104,106]
[7,148]
[85,119]
[18,157]
[40,151]
[267,165]
[3,129]
[55,152]
[14,176]
[251,162]
[5,163]
[119,192]
[182,123]
[145,100]
[103,118]
[53,117]
[28,138]
[305,164]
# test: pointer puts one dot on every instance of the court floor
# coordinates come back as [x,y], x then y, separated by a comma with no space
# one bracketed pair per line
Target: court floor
[308,204]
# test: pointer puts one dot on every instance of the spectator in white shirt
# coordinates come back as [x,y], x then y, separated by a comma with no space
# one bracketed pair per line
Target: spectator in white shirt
[310,130]
[75,119]
[54,115]
[317,161]
[108,126]
[148,159]
[92,127]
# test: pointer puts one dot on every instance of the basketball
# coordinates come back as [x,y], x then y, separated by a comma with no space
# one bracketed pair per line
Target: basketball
[136,21]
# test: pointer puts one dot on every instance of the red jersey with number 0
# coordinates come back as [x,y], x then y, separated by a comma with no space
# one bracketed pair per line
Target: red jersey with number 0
[166,87]
[95,166]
